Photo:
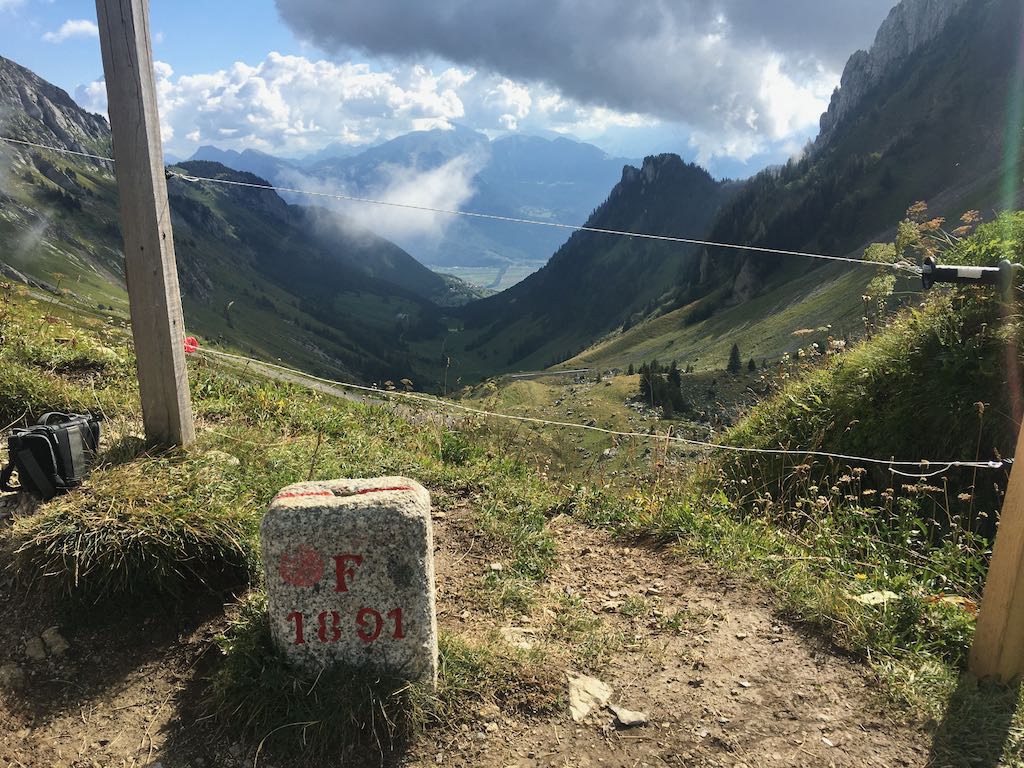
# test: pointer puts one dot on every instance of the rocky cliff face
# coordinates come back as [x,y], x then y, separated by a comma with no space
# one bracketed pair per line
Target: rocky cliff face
[28,100]
[909,26]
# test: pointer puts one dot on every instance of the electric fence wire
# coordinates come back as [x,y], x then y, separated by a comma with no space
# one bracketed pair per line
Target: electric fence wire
[924,464]
[59,150]
[437,402]
[901,266]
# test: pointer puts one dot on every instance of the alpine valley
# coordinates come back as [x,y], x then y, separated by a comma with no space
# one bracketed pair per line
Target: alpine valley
[920,116]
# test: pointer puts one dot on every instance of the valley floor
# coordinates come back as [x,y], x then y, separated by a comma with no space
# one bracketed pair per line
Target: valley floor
[493,278]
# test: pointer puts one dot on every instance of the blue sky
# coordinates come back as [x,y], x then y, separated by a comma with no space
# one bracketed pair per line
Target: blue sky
[195,36]
[733,84]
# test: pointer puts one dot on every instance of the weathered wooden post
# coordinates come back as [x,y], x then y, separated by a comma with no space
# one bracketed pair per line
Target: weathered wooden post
[157,322]
[998,649]
[349,567]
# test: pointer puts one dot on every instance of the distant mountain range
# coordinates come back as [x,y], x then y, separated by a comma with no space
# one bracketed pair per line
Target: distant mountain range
[557,180]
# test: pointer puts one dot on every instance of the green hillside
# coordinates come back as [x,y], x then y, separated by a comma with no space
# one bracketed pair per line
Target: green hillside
[942,380]
[595,283]
[765,327]
[301,284]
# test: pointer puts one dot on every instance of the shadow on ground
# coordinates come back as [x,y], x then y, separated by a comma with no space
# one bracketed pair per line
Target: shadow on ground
[107,646]
[196,735]
[978,728]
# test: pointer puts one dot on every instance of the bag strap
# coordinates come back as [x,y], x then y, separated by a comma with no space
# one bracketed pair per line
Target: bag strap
[27,462]
[71,447]
[48,439]
[51,416]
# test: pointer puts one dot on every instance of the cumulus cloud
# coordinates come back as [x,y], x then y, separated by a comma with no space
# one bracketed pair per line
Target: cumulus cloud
[734,79]
[701,63]
[72,28]
[292,105]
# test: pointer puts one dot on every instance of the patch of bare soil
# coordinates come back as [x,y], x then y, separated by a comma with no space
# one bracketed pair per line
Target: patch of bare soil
[722,680]
[83,687]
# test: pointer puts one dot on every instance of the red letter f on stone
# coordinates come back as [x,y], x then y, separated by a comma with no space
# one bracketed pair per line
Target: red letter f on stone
[345,573]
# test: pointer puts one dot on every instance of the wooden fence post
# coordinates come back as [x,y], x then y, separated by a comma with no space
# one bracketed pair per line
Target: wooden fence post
[998,649]
[153,293]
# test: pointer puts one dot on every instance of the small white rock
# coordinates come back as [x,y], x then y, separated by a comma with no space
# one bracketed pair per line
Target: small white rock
[628,717]
[586,694]
[55,641]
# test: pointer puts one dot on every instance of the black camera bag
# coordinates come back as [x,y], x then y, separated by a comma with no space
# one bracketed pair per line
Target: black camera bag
[53,456]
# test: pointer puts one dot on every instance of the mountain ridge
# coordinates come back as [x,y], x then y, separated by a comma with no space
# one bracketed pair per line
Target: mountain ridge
[47,111]
[558,179]
[917,132]
[596,283]
[932,128]
[910,25]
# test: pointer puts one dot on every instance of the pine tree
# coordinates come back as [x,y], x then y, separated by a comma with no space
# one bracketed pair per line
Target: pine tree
[675,378]
[735,364]
[631,370]
[752,366]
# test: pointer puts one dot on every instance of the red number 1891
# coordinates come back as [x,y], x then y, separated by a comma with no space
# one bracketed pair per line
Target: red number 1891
[369,622]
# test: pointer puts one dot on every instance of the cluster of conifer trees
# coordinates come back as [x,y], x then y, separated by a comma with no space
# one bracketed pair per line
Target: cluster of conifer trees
[661,387]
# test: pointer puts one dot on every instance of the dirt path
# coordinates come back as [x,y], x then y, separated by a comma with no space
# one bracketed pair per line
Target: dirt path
[723,680]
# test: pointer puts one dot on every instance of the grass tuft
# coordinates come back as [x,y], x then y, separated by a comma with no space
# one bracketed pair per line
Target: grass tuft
[344,712]
[157,525]
[54,360]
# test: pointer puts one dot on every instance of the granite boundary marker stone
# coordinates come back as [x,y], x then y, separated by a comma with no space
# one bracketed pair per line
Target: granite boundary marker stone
[349,567]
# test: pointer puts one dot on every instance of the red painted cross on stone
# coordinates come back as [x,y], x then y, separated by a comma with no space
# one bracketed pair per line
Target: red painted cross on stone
[303,566]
